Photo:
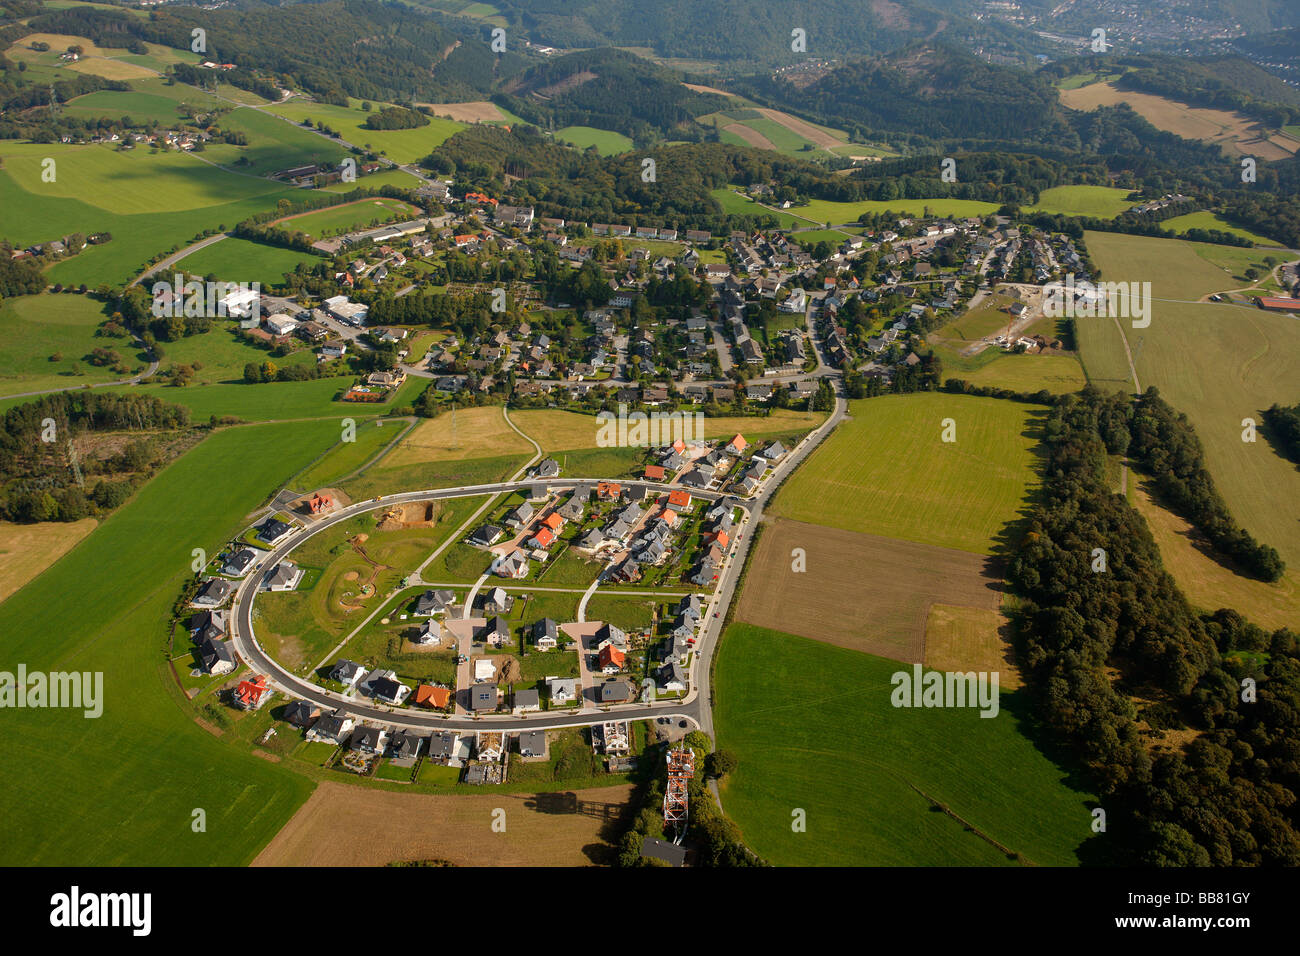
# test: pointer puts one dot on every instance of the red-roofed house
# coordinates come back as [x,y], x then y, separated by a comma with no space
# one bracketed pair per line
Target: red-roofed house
[251,694]
[553,521]
[429,696]
[737,445]
[544,538]
[679,500]
[654,472]
[611,659]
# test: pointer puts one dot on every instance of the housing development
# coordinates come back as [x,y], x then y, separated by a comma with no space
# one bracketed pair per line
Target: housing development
[457,434]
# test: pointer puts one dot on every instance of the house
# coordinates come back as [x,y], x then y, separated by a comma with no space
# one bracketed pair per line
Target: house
[214,593]
[548,468]
[737,445]
[654,473]
[252,694]
[490,747]
[429,635]
[572,509]
[285,576]
[610,634]
[671,677]
[442,746]
[608,490]
[561,689]
[542,540]
[532,743]
[302,713]
[483,697]
[347,673]
[690,606]
[333,729]
[431,695]
[773,452]
[238,563]
[670,853]
[496,632]
[433,602]
[527,700]
[368,740]
[697,478]
[208,625]
[404,745]
[515,565]
[611,659]
[215,657]
[272,530]
[614,692]
[485,536]
[497,601]
[545,634]
[520,515]
[679,501]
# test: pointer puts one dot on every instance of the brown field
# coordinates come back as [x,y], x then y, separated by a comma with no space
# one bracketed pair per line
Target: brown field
[750,135]
[808,131]
[28,549]
[110,69]
[342,825]
[970,639]
[1207,583]
[478,433]
[707,89]
[479,112]
[861,591]
[1234,132]
[558,430]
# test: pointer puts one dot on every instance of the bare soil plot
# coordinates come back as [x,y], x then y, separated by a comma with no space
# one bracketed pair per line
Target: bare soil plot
[476,112]
[1235,132]
[707,89]
[28,549]
[861,591]
[971,639]
[342,825]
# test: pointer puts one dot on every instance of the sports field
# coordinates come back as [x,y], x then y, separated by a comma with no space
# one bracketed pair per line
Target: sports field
[1218,363]
[48,338]
[887,472]
[831,708]
[607,142]
[1102,202]
[122,787]
[400,145]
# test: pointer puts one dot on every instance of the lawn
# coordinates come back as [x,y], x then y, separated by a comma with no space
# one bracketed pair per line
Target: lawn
[607,142]
[123,787]
[854,765]
[399,145]
[47,339]
[242,260]
[1101,202]
[1218,363]
[887,472]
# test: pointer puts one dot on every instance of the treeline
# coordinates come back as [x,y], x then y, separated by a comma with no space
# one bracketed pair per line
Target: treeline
[1165,444]
[19,276]
[1284,425]
[1091,636]
[396,117]
[37,479]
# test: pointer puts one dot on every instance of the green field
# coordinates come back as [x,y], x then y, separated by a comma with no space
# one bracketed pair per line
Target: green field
[839,213]
[122,787]
[1030,373]
[850,762]
[1101,202]
[1209,220]
[734,204]
[279,401]
[139,106]
[607,142]
[887,472]
[399,145]
[273,144]
[350,216]
[242,260]
[1217,362]
[346,457]
[219,356]
[37,328]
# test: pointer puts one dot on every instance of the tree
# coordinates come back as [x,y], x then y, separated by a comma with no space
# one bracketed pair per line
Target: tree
[720,763]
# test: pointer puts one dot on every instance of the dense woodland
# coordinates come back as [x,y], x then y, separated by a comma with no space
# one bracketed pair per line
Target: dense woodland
[1089,641]
[1284,428]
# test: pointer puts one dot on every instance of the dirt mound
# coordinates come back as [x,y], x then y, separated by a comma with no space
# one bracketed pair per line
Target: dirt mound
[508,672]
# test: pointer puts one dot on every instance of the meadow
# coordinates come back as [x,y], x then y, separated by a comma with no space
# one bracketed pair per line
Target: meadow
[607,142]
[399,145]
[123,787]
[1101,202]
[734,204]
[47,338]
[1219,363]
[273,144]
[1209,220]
[840,213]
[887,472]
[831,708]
[557,430]
[347,457]
[350,216]
[242,260]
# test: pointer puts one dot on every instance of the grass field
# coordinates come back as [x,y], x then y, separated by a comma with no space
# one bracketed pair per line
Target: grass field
[346,457]
[1209,220]
[557,430]
[242,260]
[734,204]
[28,549]
[274,401]
[970,638]
[840,213]
[476,433]
[123,786]
[1217,362]
[273,144]
[350,216]
[1031,373]
[860,591]
[887,472]
[866,811]
[1102,202]
[222,353]
[607,142]
[400,145]
[37,328]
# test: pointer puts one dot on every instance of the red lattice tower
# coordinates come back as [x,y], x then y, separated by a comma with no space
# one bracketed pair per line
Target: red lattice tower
[681,767]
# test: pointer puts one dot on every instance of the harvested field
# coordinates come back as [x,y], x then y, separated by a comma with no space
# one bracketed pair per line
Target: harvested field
[707,89]
[814,134]
[750,135]
[110,69]
[28,549]
[478,433]
[342,825]
[861,591]
[970,639]
[477,112]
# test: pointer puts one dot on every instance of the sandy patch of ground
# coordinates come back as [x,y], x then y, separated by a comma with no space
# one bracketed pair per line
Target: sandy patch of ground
[342,825]
[28,549]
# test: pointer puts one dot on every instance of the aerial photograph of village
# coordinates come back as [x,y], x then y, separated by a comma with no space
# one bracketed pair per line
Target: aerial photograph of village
[651,434]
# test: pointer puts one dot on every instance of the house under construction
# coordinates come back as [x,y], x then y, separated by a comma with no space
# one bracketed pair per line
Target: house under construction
[681,767]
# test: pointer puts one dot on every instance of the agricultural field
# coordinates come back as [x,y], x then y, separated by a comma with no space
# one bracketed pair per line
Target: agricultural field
[129,784]
[350,216]
[887,763]
[387,827]
[48,339]
[276,401]
[860,591]
[273,144]
[971,638]
[466,433]
[26,550]
[399,145]
[1030,373]
[1101,202]
[479,111]
[1219,363]
[887,472]
[1209,220]
[556,430]
[346,458]
[241,260]
[841,213]
[607,142]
